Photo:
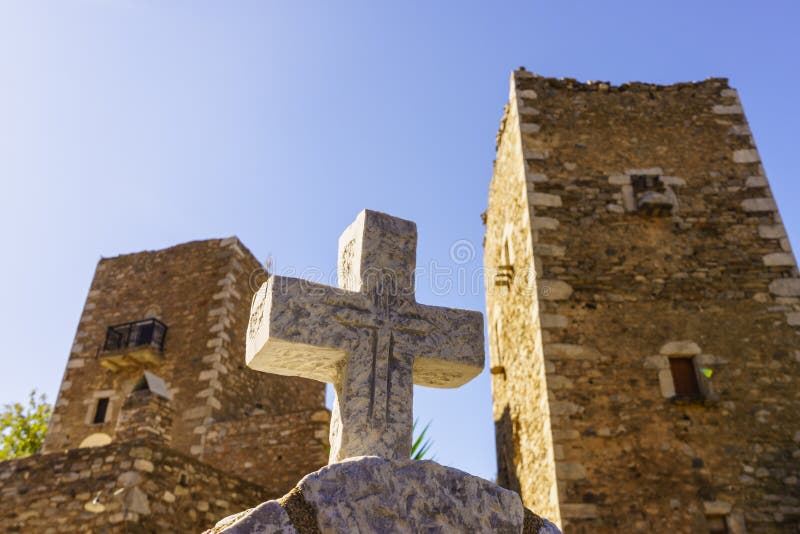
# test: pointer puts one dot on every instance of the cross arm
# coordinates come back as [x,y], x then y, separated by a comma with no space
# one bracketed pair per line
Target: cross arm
[294,330]
[451,351]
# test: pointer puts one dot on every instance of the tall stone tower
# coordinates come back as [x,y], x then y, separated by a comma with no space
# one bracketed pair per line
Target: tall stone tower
[643,307]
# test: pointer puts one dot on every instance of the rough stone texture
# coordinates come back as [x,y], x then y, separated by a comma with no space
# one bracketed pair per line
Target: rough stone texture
[144,414]
[268,449]
[371,494]
[588,428]
[142,486]
[266,518]
[368,337]
[201,291]
[196,397]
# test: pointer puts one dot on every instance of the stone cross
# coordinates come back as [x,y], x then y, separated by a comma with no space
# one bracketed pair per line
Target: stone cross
[369,337]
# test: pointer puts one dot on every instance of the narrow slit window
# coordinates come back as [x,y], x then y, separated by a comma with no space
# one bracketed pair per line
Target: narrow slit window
[101,411]
[684,377]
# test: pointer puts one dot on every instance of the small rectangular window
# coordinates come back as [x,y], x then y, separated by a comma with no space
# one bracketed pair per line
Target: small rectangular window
[101,411]
[684,378]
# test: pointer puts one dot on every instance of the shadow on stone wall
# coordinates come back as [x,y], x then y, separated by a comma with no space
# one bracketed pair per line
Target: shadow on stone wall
[506,452]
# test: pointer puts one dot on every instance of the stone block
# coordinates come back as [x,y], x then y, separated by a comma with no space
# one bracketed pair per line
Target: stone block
[665,383]
[746,155]
[771,231]
[545,200]
[371,494]
[570,471]
[740,129]
[793,318]
[527,93]
[537,154]
[554,290]
[544,223]
[673,181]
[680,348]
[543,249]
[785,287]
[779,259]
[756,181]
[578,511]
[656,362]
[537,178]
[552,321]
[734,109]
[569,351]
[716,507]
[759,205]
[652,171]
[530,128]
[615,208]
[619,179]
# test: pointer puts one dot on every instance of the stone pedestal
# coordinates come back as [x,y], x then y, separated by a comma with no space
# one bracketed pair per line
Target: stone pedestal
[372,494]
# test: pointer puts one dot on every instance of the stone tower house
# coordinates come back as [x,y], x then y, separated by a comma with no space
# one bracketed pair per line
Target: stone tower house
[642,303]
[156,385]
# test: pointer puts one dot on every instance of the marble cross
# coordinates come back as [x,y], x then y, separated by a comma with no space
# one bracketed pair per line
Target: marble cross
[369,337]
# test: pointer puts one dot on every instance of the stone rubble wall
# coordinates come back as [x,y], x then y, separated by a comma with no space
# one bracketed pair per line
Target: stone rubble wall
[143,486]
[621,291]
[145,415]
[271,451]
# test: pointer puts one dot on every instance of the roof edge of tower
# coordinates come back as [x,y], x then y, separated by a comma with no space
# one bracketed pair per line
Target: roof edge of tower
[604,86]
[221,241]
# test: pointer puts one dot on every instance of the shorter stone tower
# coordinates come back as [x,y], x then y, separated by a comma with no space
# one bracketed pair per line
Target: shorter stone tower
[643,304]
[157,404]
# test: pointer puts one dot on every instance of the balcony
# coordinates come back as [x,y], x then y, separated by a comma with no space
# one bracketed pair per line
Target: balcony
[133,344]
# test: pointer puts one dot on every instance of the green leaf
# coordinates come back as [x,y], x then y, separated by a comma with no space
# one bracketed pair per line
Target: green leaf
[22,430]
[420,446]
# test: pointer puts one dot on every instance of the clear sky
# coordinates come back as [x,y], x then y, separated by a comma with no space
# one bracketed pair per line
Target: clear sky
[132,125]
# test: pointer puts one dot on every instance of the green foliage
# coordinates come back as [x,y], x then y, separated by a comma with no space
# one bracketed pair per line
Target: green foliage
[22,428]
[421,445]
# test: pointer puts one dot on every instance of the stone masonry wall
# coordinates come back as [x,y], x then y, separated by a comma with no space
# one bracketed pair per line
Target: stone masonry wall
[655,235]
[140,485]
[271,451]
[201,291]
[521,411]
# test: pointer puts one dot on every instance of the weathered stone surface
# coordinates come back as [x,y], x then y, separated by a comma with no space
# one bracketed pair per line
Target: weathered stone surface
[545,200]
[779,259]
[759,204]
[639,282]
[734,109]
[411,496]
[756,181]
[266,518]
[747,155]
[785,287]
[680,348]
[371,494]
[369,337]
[554,290]
[95,490]
[771,231]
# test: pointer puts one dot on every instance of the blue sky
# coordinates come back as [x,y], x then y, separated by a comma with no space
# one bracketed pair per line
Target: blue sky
[136,125]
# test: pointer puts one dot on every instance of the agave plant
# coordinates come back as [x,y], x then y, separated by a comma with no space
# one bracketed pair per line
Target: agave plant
[421,445]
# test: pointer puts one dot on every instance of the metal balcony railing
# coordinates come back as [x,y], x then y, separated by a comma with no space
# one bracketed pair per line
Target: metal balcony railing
[145,333]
